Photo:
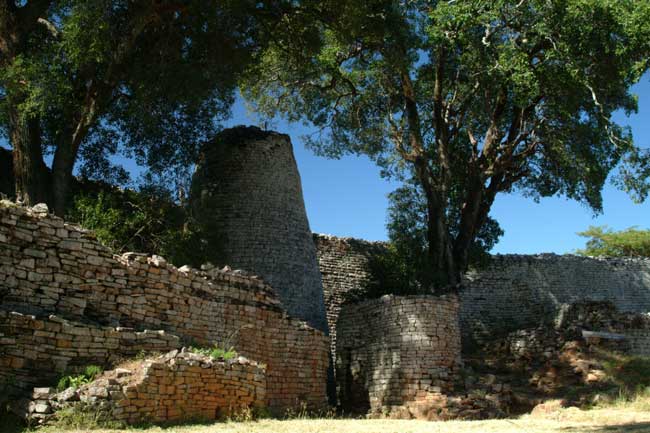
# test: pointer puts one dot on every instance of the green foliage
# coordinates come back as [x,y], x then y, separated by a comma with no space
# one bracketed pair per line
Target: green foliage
[467,99]
[631,242]
[143,221]
[407,230]
[146,80]
[88,375]
[216,352]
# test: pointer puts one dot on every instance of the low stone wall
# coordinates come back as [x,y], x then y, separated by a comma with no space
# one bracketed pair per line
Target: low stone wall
[638,341]
[36,352]
[173,387]
[49,267]
[396,350]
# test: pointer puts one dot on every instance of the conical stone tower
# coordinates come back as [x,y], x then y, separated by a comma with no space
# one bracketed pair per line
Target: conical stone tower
[247,191]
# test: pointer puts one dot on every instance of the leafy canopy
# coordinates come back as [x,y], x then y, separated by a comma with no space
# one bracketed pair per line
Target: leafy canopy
[570,63]
[632,242]
[147,79]
[467,99]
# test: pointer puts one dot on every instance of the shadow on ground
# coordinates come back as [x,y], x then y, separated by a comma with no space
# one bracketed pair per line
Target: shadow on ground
[636,427]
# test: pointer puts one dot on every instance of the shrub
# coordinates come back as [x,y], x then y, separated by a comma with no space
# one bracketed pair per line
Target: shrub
[630,373]
[215,352]
[75,381]
[147,221]
[85,416]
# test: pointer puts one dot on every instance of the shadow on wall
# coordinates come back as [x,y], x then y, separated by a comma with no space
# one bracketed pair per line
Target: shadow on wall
[409,347]
[517,291]
[354,398]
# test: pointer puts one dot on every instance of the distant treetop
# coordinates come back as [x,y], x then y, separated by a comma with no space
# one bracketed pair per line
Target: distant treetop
[632,242]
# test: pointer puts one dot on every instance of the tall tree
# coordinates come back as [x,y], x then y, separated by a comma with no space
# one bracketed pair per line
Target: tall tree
[83,80]
[18,29]
[469,98]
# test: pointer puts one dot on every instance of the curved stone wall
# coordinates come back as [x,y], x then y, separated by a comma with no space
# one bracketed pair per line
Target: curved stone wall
[247,191]
[344,264]
[396,350]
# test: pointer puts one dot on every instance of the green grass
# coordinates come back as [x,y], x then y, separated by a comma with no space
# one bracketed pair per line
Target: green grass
[618,417]
[215,352]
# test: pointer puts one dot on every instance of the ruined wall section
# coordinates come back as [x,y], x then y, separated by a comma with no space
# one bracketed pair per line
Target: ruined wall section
[394,351]
[247,192]
[518,291]
[175,387]
[37,351]
[49,267]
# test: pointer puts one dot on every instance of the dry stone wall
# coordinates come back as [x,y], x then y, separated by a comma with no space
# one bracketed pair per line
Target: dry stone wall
[517,291]
[512,292]
[35,351]
[394,351]
[247,192]
[172,387]
[49,267]
[344,264]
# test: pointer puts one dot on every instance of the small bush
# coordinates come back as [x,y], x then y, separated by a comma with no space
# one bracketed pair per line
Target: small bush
[148,221]
[215,352]
[75,381]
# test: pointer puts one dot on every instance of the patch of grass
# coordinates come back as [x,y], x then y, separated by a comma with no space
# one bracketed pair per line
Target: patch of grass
[144,354]
[215,352]
[565,421]
[84,417]
[88,375]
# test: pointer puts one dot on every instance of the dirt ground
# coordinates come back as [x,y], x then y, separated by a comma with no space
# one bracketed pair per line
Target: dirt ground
[570,420]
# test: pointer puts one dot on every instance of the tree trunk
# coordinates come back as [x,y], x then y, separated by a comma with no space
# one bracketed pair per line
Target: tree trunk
[29,171]
[469,222]
[62,166]
[446,274]
[444,270]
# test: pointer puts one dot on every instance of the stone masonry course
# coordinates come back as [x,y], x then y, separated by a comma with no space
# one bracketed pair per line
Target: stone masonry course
[50,268]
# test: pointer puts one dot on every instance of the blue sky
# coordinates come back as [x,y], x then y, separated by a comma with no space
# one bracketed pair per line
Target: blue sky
[347,197]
